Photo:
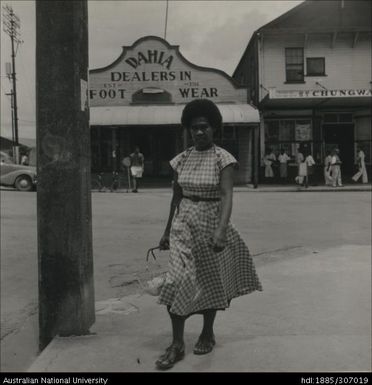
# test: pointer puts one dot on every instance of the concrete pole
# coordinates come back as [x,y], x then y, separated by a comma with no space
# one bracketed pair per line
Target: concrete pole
[66,294]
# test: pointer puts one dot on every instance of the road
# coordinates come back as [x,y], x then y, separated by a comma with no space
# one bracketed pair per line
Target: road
[125,225]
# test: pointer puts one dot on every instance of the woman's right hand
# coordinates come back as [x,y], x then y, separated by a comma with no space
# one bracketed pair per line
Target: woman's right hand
[164,242]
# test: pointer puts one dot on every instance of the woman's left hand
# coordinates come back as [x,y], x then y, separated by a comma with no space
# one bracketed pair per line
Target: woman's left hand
[218,241]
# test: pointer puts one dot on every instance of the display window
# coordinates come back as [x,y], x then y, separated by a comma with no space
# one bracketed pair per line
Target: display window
[289,135]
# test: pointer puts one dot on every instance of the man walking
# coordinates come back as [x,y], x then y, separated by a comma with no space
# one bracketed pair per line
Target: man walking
[362,171]
[336,168]
[137,162]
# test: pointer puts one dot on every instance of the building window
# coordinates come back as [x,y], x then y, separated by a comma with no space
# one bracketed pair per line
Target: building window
[346,118]
[294,65]
[291,135]
[315,66]
[330,118]
[335,117]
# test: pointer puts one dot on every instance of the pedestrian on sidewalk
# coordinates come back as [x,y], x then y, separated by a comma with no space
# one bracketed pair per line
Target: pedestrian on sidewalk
[283,164]
[268,160]
[327,169]
[301,168]
[209,262]
[336,168]
[137,166]
[310,163]
[362,170]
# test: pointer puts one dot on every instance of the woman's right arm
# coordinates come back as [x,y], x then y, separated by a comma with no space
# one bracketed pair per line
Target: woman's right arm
[176,199]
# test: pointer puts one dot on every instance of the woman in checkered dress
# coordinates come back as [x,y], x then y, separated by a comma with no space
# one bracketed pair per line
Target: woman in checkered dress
[209,262]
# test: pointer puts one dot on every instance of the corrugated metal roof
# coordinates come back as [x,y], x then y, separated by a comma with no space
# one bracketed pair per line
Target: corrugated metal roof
[158,115]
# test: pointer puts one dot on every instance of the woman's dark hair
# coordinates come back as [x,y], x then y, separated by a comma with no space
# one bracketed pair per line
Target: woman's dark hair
[202,108]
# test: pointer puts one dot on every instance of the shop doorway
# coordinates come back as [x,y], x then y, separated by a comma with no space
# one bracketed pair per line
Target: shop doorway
[158,145]
[342,137]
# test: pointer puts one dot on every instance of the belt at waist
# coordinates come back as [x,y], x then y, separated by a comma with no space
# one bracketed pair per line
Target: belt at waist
[195,198]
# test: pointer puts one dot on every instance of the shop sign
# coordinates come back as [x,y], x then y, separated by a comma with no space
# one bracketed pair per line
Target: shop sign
[304,94]
[151,67]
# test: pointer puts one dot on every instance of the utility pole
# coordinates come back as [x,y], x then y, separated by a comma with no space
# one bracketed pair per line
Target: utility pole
[11,108]
[166,21]
[11,26]
[8,71]
[65,256]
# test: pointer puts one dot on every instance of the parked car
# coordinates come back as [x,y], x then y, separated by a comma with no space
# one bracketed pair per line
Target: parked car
[20,176]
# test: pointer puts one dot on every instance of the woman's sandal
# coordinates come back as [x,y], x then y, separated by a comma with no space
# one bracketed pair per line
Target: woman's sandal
[204,346]
[173,354]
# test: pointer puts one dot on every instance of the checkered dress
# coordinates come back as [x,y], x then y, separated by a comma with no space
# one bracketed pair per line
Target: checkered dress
[198,278]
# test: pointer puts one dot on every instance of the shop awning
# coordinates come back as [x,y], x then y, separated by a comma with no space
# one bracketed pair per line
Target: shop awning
[159,115]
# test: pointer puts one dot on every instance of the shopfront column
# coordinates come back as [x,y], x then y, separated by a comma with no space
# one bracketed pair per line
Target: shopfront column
[255,155]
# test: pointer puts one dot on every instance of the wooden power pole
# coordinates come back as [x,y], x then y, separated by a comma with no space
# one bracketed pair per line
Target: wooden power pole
[66,294]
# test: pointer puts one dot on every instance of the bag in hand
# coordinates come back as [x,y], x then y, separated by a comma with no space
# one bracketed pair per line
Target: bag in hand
[155,284]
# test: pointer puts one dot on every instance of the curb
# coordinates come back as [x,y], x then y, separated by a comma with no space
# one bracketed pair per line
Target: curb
[251,189]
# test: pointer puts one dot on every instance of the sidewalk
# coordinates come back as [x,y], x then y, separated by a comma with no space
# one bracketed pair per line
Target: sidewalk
[297,188]
[314,315]
[265,188]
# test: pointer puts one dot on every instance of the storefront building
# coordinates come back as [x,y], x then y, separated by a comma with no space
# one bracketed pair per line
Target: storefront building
[138,101]
[309,73]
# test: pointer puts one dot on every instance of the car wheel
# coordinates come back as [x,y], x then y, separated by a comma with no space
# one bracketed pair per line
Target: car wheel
[23,183]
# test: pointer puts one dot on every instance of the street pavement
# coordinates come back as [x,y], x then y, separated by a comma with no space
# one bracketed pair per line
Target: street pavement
[313,316]
[278,225]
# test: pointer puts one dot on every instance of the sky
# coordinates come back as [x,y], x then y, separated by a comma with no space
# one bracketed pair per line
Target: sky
[209,33]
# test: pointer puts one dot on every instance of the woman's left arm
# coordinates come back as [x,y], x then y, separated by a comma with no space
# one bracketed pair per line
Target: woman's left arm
[226,186]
